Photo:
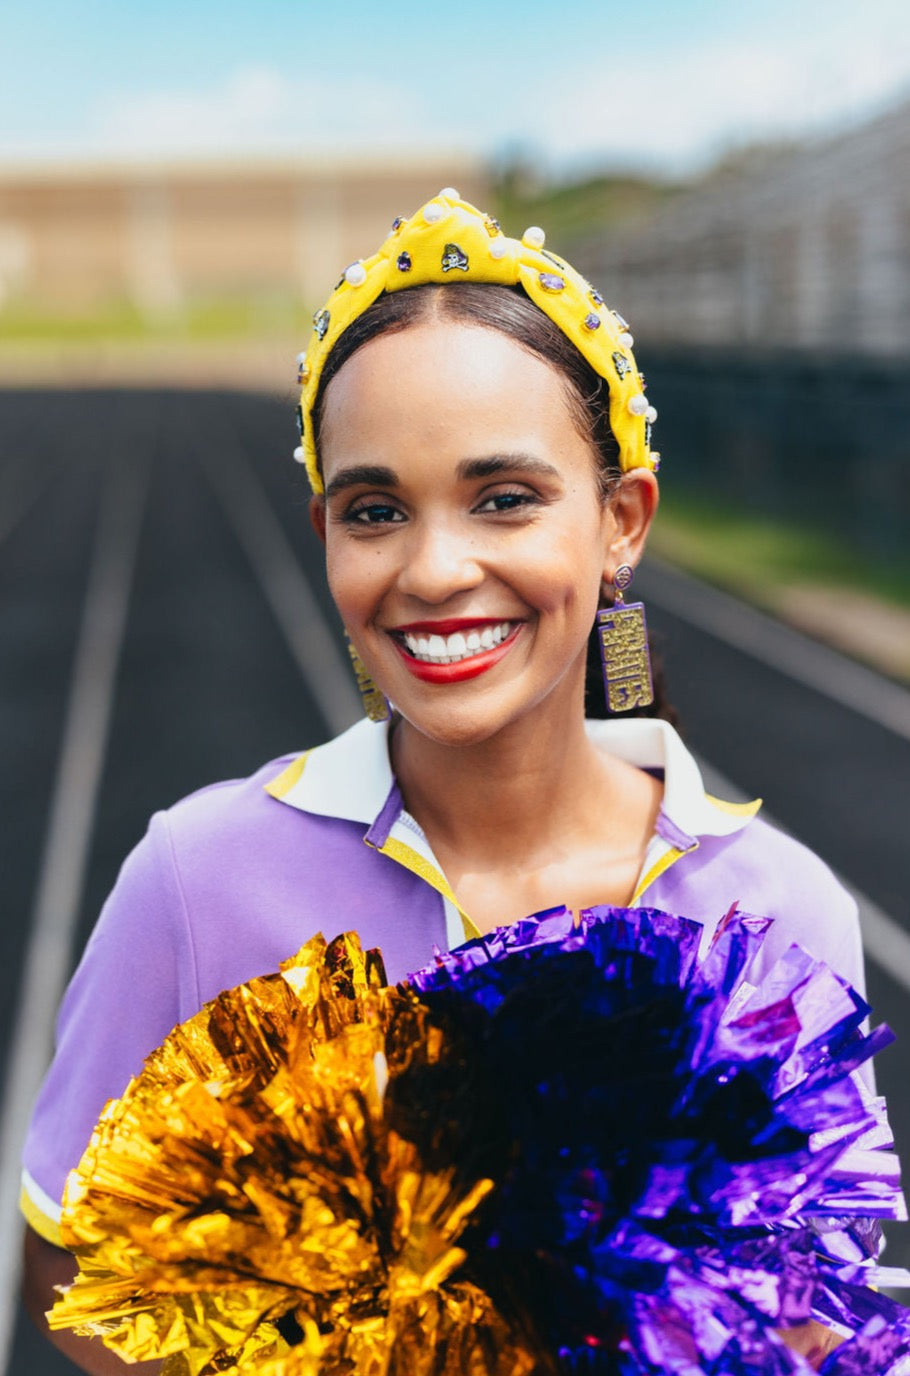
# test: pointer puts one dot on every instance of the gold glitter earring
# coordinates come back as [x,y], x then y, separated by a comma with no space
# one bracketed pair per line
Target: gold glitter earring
[623,637]
[374,703]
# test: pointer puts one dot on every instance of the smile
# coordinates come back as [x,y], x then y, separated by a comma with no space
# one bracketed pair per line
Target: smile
[450,652]
[452,649]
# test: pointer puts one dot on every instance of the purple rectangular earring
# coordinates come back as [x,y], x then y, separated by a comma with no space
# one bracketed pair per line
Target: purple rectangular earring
[622,634]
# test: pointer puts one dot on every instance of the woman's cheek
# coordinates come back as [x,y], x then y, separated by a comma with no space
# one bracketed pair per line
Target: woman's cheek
[351,573]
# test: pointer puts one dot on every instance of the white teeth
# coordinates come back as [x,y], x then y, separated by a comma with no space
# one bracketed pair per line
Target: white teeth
[439,649]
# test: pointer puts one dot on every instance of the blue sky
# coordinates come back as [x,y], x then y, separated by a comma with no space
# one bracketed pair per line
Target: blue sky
[666,84]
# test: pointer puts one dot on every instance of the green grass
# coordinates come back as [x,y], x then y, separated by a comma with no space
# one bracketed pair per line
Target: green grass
[201,321]
[758,556]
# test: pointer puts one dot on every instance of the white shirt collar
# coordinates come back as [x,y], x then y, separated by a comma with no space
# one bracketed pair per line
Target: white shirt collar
[351,777]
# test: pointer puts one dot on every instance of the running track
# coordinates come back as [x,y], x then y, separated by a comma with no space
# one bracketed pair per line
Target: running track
[166,623]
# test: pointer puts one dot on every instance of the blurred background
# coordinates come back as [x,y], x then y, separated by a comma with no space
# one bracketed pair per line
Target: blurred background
[180,187]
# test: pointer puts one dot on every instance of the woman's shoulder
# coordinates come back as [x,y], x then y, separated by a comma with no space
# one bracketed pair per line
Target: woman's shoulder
[234,841]
[763,870]
[281,847]
[763,853]
[231,802]
[347,778]
[202,855]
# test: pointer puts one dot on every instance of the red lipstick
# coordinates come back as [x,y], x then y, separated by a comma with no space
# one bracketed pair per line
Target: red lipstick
[462,669]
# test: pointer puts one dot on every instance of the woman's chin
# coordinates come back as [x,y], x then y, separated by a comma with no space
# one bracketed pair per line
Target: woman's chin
[451,727]
[463,720]
[479,710]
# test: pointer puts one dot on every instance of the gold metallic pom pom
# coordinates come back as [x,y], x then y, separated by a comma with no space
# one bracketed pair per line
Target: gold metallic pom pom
[246,1206]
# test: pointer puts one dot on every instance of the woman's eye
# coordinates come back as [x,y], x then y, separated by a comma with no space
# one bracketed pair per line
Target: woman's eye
[373,513]
[506,501]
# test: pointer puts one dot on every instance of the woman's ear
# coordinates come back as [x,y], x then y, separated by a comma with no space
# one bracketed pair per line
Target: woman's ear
[317,515]
[632,508]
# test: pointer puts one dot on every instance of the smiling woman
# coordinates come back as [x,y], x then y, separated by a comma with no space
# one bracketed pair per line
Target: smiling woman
[477,436]
[507,311]
[489,514]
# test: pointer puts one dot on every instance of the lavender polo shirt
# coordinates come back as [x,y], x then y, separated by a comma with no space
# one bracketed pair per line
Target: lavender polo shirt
[235,878]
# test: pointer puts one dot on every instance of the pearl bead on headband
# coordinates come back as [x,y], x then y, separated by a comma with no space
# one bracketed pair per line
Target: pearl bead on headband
[449,240]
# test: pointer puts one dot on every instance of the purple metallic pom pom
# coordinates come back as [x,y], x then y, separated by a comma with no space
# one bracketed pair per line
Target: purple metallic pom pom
[684,1163]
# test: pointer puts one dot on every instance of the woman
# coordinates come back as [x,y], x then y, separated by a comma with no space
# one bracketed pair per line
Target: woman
[477,437]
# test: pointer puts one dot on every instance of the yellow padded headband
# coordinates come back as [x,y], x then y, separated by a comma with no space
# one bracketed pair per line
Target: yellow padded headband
[449,240]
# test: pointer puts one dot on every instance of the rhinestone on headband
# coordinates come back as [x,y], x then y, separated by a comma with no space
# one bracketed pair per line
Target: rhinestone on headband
[450,240]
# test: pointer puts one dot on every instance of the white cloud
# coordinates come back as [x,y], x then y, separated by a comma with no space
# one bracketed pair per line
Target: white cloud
[681,107]
[258,109]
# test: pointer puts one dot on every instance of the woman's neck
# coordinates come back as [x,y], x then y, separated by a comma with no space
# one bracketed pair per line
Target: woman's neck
[509,797]
[534,817]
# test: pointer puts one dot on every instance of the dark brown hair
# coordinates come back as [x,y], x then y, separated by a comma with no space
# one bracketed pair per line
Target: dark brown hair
[512,313]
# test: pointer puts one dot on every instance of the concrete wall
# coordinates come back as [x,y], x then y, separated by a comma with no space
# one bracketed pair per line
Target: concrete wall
[75,238]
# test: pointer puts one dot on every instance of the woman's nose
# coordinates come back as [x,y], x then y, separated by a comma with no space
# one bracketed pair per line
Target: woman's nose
[439,560]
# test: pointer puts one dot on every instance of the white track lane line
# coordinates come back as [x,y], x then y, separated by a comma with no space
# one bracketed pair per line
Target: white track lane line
[884,940]
[816,666]
[67,841]
[325,669]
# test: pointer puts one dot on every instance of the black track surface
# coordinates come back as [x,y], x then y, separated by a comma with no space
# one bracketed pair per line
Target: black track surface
[207,688]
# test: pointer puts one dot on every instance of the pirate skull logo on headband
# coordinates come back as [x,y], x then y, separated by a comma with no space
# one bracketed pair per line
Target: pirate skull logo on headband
[450,240]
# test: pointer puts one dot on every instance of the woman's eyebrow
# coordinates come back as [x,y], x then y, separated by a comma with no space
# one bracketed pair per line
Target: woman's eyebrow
[359,474]
[506,463]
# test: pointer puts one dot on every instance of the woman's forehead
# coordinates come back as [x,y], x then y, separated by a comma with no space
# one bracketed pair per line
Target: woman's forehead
[442,393]
[441,336]
[445,363]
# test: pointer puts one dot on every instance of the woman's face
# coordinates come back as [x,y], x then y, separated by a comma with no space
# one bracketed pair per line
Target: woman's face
[466,541]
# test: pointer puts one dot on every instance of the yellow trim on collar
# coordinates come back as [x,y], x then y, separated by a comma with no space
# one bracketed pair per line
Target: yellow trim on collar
[735,809]
[659,867]
[417,864]
[38,1221]
[280,787]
